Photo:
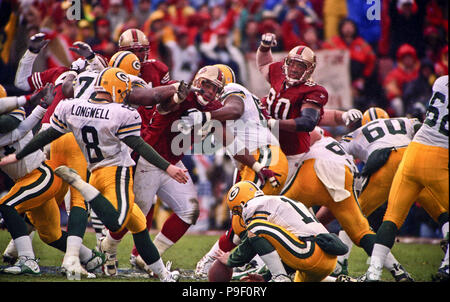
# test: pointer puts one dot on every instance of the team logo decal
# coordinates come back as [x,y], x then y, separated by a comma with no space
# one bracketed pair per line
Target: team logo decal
[233,193]
[122,76]
[136,65]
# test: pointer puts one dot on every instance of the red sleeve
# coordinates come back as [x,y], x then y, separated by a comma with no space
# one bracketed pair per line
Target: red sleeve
[318,95]
[38,80]
[163,72]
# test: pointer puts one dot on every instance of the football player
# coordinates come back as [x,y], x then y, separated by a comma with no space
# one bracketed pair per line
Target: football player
[241,106]
[110,187]
[424,166]
[284,233]
[65,150]
[326,178]
[380,144]
[33,192]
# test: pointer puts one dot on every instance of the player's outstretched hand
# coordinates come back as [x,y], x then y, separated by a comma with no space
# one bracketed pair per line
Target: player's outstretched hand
[49,95]
[178,174]
[252,278]
[222,256]
[352,116]
[83,49]
[8,159]
[37,42]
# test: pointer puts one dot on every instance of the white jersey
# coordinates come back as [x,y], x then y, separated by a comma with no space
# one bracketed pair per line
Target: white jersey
[379,134]
[284,212]
[98,127]
[434,131]
[249,128]
[27,164]
[84,84]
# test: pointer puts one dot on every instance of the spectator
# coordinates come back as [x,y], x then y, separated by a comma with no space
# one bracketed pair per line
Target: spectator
[102,42]
[442,65]
[250,40]
[407,70]
[420,89]
[434,42]
[159,32]
[406,25]
[86,31]
[362,57]
[185,57]
[116,14]
[131,22]
[180,11]
[269,24]
[221,51]
[311,38]
[142,11]
[293,26]
[369,30]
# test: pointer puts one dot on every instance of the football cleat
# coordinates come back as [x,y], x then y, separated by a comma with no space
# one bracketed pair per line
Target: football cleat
[67,174]
[97,260]
[171,276]
[442,275]
[24,265]
[400,274]
[203,266]
[71,267]
[373,274]
[249,268]
[280,278]
[340,269]
[111,264]
[346,278]
[10,253]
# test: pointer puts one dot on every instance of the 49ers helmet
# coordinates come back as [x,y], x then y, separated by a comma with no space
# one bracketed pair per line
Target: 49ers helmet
[373,113]
[127,61]
[304,55]
[214,76]
[240,193]
[135,41]
[115,82]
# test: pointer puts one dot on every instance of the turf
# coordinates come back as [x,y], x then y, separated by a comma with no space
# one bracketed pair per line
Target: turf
[420,260]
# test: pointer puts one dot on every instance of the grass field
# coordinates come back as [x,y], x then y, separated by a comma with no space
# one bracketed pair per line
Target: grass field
[421,260]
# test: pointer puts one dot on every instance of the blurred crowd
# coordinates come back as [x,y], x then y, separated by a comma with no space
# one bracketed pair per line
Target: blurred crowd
[397,47]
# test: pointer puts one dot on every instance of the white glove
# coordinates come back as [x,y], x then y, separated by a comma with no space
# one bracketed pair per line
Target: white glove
[268,40]
[351,116]
[78,65]
[271,123]
[193,117]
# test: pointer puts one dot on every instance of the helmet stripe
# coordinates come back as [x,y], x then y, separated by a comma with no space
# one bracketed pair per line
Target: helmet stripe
[99,77]
[119,59]
[134,35]
[373,114]
[300,50]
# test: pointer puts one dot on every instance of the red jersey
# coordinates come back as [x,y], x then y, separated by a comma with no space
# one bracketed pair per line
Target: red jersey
[55,75]
[155,73]
[286,103]
[160,135]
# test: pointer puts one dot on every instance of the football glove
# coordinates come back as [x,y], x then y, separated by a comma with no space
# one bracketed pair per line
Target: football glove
[78,65]
[268,40]
[264,173]
[351,116]
[48,96]
[37,42]
[182,91]
[83,49]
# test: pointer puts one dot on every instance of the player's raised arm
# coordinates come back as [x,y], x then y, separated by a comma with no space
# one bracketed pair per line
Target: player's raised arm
[264,55]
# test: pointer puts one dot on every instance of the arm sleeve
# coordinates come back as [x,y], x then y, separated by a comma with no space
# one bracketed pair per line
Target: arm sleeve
[146,151]
[24,70]
[8,123]
[40,140]
[309,119]
[11,102]
[24,127]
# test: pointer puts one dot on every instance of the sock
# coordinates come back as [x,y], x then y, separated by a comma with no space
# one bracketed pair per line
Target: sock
[158,268]
[145,247]
[162,243]
[268,254]
[110,244]
[212,252]
[348,242]
[76,226]
[106,212]
[14,222]
[390,261]
[24,246]
[97,225]
[174,228]
[378,257]
[149,219]
[85,254]
[118,235]
[386,234]
[61,243]
[88,191]
[444,229]
[367,243]
[73,246]
[226,241]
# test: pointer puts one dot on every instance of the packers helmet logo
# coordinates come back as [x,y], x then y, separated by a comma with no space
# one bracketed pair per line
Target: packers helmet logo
[122,76]
[136,65]
[233,193]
